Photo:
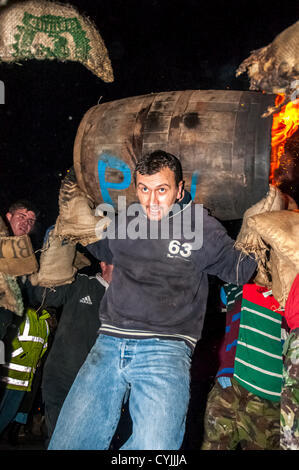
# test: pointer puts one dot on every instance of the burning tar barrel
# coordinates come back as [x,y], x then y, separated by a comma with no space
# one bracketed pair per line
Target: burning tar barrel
[220,137]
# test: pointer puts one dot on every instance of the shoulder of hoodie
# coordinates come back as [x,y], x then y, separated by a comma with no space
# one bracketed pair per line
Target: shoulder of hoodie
[208,218]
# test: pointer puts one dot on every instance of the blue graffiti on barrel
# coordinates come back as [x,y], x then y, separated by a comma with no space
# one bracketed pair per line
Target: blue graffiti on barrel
[110,161]
[194,181]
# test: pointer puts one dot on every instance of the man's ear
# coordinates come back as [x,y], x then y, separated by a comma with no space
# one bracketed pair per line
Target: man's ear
[9,216]
[181,191]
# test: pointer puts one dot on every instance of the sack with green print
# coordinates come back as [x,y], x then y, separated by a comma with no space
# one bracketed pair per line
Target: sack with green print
[50,30]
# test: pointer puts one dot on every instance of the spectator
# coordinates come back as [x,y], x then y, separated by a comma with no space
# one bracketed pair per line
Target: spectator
[21,218]
[244,405]
[25,350]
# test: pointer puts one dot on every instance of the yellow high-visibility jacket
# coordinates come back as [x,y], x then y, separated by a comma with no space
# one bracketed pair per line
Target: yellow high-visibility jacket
[28,347]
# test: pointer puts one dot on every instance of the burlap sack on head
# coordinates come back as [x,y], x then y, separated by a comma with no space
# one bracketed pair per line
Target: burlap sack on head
[51,30]
[76,221]
[17,256]
[56,263]
[10,294]
[279,230]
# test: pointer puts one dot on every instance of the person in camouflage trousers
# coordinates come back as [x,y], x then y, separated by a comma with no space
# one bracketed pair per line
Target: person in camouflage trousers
[289,413]
[236,416]
[243,407]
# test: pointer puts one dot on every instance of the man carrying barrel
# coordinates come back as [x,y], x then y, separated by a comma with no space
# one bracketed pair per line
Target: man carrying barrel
[151,316]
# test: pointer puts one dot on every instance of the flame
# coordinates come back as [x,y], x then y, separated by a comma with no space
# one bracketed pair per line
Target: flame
[285,123]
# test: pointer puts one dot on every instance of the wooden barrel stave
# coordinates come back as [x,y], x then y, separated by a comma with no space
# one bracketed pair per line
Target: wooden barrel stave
[219,135]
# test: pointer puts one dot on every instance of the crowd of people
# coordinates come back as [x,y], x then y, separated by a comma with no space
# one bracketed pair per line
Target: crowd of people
[126,334]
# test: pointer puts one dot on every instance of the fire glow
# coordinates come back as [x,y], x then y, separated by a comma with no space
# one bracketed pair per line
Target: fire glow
[285,123]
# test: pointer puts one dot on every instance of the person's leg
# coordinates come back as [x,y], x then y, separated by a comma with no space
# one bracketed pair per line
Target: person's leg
[91,411]
[258,421]
[158,371]
[289,413]
[9,406]
[55,387]
[61,367]
[220,424]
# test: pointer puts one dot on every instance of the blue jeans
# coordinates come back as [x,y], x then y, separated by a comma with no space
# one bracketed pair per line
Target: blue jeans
[157,374]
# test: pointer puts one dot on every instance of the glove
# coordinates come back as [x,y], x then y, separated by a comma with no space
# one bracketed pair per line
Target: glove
[76,221]
[292,305]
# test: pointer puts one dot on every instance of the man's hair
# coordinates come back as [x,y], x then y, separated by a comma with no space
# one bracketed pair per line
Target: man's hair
[23,204]
[154,162]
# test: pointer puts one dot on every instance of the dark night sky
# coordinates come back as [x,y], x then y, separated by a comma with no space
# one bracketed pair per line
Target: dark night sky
[154,46]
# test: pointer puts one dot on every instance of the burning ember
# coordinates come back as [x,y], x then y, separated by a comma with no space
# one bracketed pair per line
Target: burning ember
[285,124]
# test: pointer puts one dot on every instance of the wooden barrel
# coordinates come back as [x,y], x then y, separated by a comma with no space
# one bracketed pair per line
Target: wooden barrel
[220,137]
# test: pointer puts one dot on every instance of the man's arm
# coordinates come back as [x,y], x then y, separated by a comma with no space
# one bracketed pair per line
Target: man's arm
[221,258]
[101,251]
[50,297]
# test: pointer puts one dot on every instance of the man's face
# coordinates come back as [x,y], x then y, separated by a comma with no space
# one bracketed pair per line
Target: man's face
[158,192]
[21,221]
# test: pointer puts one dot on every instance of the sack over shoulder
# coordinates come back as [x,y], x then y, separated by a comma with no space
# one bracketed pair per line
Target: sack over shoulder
[56,263]
[17,256]
[280,230]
